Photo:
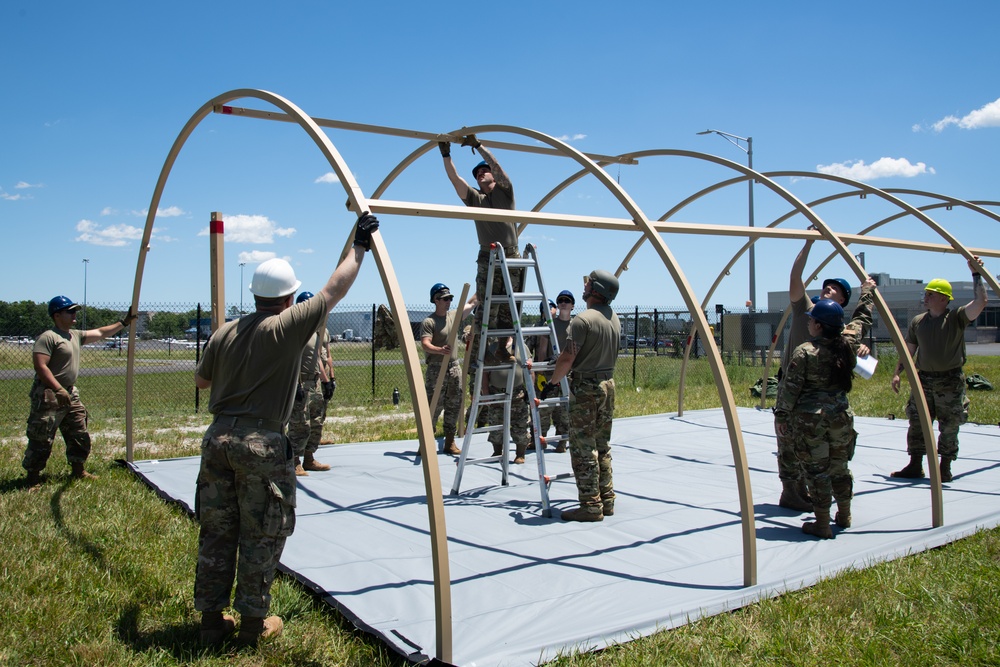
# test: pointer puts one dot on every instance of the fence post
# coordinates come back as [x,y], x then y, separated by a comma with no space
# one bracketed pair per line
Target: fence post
[373,350]
[197,354]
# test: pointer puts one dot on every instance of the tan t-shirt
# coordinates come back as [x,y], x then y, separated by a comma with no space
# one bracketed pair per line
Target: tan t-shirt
[63,348]
[253,362]
[504,233]
[595,332]
[437,328]
[940,340]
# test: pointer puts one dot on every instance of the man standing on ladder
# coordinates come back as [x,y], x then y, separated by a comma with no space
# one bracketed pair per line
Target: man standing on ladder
[591,353]
[495,191]
[434,331]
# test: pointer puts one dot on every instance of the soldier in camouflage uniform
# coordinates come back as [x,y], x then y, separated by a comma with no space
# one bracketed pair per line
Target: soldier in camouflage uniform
[434,332]
[55,400]
[245,496]
[305,427]
[495,191]
[557,415]
[936,341]
[591,353]
[793,492]
[813,412]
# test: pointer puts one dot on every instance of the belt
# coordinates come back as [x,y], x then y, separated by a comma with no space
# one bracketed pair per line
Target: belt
[250,422]
[938,374]
[593,375]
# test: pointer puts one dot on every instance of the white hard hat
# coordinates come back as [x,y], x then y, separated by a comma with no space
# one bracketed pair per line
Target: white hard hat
[274,278]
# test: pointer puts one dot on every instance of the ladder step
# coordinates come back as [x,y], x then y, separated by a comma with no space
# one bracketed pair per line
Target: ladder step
[492,399]
[520,262]
[525,331]
[487,429]
[563,475]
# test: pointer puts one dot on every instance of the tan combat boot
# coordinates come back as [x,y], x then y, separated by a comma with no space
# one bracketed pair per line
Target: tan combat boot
[299,470]
[216,627]
[844,513]
[311,463]
[946,475]
[790,498]
[584,514]
[255,628]
[450,447]
[519,454]
[913,470]
[820,527]
[78,472]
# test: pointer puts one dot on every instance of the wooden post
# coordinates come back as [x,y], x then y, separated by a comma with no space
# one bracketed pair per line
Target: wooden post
[218,267]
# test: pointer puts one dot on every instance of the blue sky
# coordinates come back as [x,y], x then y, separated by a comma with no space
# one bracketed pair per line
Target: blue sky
[900,95]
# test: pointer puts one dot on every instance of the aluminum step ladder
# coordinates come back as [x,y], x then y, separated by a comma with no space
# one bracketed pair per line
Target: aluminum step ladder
[497,338]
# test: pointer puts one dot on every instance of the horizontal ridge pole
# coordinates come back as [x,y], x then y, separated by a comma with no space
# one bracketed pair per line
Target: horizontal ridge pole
[410,134]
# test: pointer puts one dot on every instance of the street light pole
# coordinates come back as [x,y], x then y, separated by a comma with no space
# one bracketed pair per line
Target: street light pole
[86,262]
[748,149]
[242,264]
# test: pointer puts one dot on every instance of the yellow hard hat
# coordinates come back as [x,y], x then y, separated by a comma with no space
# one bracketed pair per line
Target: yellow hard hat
[941,286]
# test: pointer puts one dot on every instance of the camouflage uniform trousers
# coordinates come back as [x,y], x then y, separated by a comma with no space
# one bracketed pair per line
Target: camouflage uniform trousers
[450,399]
[789,466]
[559,416]
[245,501]
[305,427]
[824,443]
[591,409]
[520,419]
[500,315]
[45,418]
[946,401]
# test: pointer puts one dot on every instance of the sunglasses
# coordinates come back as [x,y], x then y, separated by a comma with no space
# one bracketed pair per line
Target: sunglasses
[561,301]
[444,298]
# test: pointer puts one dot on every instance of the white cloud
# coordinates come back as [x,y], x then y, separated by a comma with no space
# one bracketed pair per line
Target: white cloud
[985,116]
[169,212]
[22,185]
[10,197]
[107,210]
[572,137]
[257,256]
[112,235]
[885,167]
[328,177]
[251,229]
[307,251]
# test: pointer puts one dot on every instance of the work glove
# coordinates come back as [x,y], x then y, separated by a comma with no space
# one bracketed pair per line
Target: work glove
[445,148]
[63,397]
[328,389]
[367,224]
[128,319]
[547,390]
[471,141]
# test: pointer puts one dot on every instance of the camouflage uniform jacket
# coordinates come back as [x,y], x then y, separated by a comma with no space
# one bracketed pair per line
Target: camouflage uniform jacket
[808,386]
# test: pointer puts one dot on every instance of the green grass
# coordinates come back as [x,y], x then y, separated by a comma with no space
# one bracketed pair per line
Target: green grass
[101,573]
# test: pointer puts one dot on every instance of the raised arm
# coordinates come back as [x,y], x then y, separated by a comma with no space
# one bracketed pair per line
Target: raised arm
[343,277]
[797,288]
[461,187]
[978,303]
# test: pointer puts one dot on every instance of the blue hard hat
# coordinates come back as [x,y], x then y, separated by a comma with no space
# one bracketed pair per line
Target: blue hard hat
[475,170]
[568,294]
[61,303]
[828,312]
[439,287]
[842,284]
[304,296]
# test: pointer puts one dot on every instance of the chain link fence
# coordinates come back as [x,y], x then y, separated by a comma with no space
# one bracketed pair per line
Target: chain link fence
[171,337]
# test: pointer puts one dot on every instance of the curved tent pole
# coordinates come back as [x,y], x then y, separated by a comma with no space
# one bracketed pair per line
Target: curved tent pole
[357,202]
